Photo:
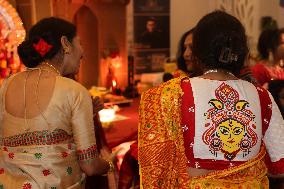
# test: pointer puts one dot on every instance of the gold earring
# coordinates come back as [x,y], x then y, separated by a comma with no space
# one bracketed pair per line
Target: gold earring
[66,50]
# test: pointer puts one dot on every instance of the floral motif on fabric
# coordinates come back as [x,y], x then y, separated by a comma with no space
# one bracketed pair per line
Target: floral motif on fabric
[69,170]
[46,172]
[161,158]
[38,155]
[87,154]
[27,186]
[44,137]
[64,154]
[2,171]
[230,124]
[11,155]
[69,146]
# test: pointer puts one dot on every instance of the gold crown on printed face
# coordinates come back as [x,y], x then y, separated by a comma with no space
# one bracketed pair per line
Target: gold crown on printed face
[228,106]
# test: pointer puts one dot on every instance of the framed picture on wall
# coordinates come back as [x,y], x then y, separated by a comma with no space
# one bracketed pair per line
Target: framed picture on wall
[149,61]
[151,6]
[151,32]
[151,26]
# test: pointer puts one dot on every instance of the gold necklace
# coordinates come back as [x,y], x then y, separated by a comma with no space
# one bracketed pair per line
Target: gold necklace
[51,66]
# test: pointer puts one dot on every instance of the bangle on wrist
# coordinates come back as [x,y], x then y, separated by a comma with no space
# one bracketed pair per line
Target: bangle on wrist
[111,166]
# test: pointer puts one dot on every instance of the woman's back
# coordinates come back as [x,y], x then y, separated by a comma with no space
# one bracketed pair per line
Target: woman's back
[208,125]
[41,135]
[36,101]
[47,105]
[227,122]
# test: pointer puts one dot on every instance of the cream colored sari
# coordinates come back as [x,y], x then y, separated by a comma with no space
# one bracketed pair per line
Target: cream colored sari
[45,155]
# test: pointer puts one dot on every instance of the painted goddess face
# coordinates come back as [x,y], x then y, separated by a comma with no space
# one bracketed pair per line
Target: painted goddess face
[231,124]
[231,132]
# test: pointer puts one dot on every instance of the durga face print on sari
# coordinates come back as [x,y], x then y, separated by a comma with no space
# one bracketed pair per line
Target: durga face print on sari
[229,124]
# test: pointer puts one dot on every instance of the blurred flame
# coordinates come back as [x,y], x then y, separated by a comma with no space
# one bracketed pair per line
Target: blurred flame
[113,83]
[107,115]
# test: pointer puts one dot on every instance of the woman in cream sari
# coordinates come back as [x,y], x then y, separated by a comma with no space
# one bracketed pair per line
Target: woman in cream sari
[46,120]
[214,131]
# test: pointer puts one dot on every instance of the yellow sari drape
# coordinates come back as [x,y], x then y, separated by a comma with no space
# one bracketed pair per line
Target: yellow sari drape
[161,154]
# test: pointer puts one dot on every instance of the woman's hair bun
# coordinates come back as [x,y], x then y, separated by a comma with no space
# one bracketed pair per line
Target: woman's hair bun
[28,55]
[46,32]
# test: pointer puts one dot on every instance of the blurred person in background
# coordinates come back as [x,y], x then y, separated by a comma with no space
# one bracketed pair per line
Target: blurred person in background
[271,64]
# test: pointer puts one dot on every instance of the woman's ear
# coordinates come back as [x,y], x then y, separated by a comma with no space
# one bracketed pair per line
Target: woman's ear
[66,45]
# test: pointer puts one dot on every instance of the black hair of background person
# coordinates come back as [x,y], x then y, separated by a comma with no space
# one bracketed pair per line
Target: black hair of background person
[57,28]
[167,77]
[267,22]
[274,87]
[210,38]
[181,49]
[268,40]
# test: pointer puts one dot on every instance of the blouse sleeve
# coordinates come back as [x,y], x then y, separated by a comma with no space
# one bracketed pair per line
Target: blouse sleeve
[83,126]
[274,141]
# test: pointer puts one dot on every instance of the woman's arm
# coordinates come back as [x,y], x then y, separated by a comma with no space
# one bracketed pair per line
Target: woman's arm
[273,139]
[97,166]
[84,134]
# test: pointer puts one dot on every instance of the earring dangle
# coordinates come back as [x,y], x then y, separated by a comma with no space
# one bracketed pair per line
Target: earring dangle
[66,50]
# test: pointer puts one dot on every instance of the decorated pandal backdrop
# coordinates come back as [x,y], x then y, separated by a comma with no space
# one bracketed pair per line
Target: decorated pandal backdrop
[105,54]
[12,33]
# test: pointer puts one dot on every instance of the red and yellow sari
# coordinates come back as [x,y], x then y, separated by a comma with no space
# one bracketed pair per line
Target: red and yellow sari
[161,155]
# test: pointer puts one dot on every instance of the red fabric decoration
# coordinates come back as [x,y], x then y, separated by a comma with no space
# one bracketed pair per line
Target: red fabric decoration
[46,172]
[64,154]
[27,186]
[274,168]
[134,150]
[42,47]
[11,155]
[5,149]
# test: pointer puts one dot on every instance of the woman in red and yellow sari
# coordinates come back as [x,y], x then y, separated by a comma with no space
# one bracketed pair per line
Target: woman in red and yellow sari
[215,130]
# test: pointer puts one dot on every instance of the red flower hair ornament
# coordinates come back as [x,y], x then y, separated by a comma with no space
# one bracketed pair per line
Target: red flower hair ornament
[42,47]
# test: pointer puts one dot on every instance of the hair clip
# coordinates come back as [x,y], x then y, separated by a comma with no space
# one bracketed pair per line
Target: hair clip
[42,47]
[227,56]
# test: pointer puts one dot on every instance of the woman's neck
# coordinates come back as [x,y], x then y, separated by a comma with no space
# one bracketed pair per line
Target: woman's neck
[218,74]
[51,67]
